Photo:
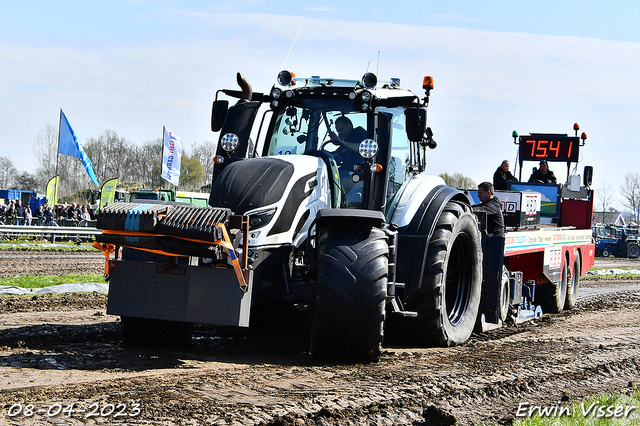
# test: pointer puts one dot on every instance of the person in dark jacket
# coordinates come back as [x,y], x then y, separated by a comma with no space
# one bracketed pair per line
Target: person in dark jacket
[543,174]
[503,176]
[493,207]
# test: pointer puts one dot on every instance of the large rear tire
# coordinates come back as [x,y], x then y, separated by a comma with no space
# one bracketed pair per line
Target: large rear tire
[633,250]
[154,332]
[574,284]
[552,296]
[448,300]
[352,289]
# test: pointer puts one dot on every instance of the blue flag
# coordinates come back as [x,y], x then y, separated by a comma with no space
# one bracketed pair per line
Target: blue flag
[68,144]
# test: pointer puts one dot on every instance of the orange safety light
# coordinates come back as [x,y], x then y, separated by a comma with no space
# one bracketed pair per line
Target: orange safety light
[583,136]
[576,126]
[218,159]
[427,82]
[375,168]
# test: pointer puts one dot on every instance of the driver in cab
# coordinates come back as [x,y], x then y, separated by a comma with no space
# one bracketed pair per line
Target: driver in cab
[348,140]
[346,132]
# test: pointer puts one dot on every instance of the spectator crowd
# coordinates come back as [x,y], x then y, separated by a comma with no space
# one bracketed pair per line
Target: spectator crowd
[13,212]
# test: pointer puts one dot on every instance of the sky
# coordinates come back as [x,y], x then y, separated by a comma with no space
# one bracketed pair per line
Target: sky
[498,66]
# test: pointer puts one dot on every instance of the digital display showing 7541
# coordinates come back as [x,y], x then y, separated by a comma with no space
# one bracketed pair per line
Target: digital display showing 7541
[549,147]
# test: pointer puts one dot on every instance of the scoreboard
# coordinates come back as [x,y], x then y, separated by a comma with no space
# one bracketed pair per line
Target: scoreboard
[536,147]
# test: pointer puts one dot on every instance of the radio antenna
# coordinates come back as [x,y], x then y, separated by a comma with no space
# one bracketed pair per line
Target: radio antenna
[378,64]
[288,53]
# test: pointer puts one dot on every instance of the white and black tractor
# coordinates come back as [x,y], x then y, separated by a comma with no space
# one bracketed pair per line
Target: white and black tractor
[344,225]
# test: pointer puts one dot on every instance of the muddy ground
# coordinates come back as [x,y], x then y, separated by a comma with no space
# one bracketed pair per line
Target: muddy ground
[62,362]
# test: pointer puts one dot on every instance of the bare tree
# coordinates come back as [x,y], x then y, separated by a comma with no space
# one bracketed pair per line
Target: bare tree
[8,173]
[26,181]
[45,149]
[205,153]
[605,199]
[147,168]
[112,156]
[630,191]
[458,180]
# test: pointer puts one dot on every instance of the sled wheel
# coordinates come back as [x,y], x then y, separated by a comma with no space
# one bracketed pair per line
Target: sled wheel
[352,288]
[552,296]
[574,284]
[448,300]
[504,294]
[154,332]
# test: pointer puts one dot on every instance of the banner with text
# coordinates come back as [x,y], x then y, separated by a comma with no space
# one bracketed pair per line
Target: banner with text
[52,191]
[171,156]
[108,192]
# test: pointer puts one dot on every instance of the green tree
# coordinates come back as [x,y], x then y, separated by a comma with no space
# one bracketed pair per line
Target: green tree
[191,173]
[458,180]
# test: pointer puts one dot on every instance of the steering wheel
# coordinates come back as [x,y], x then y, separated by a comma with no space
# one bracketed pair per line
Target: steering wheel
[341,154]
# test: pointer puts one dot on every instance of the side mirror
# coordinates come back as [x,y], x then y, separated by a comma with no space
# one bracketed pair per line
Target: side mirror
[588,175]
[218,114]
[416,123]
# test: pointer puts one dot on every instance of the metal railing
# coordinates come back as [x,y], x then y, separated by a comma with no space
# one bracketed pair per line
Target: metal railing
[8,232]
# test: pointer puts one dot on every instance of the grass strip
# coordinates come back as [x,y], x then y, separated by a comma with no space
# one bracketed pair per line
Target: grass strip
[40,281]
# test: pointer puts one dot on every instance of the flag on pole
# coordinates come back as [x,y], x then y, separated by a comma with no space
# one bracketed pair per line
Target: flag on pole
[108,192]
[52,191]
[171,155]
[68,144]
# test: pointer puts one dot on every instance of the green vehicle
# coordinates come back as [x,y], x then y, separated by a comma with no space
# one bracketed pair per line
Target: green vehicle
[195,198]
[152,194]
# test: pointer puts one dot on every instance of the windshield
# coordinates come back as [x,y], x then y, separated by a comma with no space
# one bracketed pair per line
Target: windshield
[309,124]
[329,129]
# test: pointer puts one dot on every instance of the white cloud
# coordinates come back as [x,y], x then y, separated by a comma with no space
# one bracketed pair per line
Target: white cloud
[486,84]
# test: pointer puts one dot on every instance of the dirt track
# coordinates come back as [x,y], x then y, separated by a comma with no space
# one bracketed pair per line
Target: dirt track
[61,350]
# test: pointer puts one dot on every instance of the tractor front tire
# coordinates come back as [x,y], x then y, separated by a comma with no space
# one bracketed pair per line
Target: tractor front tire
[352,288]
[448,300]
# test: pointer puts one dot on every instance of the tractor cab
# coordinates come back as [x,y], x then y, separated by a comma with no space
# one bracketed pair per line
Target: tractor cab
[370,137]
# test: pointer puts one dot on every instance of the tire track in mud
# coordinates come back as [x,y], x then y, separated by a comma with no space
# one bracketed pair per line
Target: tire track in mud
[50,262]
[269,379]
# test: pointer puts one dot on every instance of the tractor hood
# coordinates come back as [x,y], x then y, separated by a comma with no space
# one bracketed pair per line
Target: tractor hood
[281,194]
[248,184]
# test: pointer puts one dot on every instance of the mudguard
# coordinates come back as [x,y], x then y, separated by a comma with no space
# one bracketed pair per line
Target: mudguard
[413,238]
